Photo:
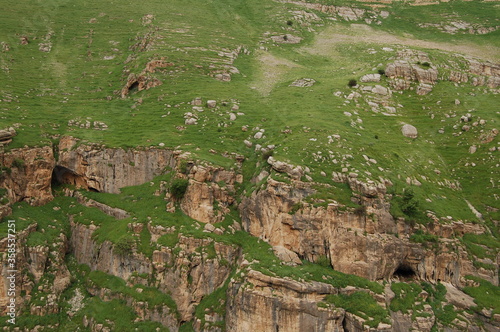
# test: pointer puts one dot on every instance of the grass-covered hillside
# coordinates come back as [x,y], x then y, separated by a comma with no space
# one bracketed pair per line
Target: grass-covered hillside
[71,79]
[219,78]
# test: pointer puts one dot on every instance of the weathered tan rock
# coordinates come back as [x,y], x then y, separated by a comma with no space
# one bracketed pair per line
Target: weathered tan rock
[30,176]
[6,135]
[458,77]
[354,243]
[402,69]
[457,297]
[286,255]
[141,82]
[106,169]
[23,283]
[187,276]
[263,303]
[205,200]
[295,172]
[409,131]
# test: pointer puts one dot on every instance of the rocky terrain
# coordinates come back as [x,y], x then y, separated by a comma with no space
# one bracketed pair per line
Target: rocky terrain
[236,166]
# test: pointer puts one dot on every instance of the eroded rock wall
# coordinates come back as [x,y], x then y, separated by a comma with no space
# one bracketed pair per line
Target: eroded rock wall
[27,175]
[189,271]
[107,170]
[210,193]
[264,303]
[364,244]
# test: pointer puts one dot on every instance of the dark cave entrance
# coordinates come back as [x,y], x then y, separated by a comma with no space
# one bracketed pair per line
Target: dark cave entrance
[62,175]
[134,87]
[404,272]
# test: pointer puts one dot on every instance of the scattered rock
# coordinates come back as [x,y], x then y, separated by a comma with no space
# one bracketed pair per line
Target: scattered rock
[370,78]
[211,103]
[6,136]
[303,82]
[286,39]
[197,101]
[378,89]
[44,47]
[209,228]
[424,89]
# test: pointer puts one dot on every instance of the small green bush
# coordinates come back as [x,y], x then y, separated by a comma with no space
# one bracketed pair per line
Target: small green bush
[178,188]
[381,72]
[266,154]
[323,261]
[124,245]
[420,237]
[296,207]
[4,170]
[18,163]
[410,204]
[183,166]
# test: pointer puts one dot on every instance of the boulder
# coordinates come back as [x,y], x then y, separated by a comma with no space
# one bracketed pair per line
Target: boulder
[287,255]
[409,131]
[370,78]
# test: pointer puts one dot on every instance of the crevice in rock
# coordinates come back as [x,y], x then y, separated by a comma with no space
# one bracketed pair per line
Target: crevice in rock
[344,324]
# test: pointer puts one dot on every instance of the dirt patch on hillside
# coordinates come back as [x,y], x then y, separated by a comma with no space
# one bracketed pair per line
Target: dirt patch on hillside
[272,70]
[361,33]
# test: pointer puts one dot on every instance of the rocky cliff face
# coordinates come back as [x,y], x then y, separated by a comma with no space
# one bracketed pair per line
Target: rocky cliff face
[361,244]
[210,193]
[107,170]
[189,271]
[369,243]
[280,305]
[37,262]
[27,174]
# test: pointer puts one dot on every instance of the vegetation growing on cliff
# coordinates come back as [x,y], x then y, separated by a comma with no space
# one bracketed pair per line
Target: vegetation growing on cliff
[233,83]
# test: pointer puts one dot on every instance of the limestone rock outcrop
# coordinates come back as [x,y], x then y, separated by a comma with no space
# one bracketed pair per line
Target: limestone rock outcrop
[210,193]
[264,303]
[27,173]
[38,261]
[6,136]
[403,69]
[185,272]
[107,170]
[354,243]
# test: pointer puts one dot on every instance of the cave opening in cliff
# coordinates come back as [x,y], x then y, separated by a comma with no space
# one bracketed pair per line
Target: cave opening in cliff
[404,272]
[62,175]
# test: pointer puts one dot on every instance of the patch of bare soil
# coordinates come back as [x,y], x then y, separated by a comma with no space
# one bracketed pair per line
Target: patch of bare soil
[272,70]
[361,33]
